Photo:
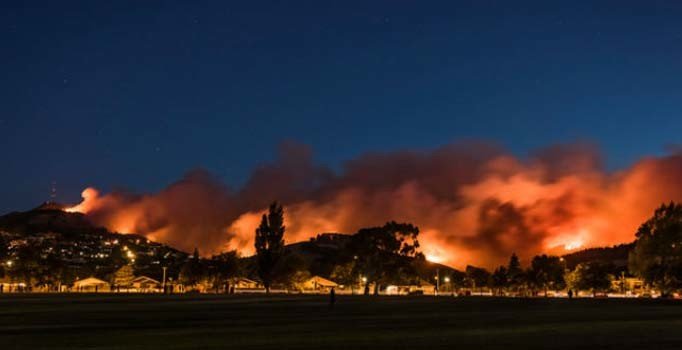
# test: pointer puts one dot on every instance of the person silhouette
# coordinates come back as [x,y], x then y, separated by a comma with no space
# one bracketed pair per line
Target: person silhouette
[570,294]
[332,297]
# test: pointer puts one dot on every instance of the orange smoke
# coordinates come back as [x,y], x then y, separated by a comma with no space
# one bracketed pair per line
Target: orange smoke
[90,201]
[474,203]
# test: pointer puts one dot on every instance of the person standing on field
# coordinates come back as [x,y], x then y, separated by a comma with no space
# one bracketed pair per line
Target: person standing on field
[332,298]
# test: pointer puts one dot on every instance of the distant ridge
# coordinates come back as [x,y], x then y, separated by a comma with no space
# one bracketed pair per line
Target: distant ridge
[322,251]
[51,206]
[616,255]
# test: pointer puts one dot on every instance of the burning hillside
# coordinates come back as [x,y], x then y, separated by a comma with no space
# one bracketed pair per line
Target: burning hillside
[474,203]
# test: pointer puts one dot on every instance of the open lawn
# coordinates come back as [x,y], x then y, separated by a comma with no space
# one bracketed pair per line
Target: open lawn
[305,322]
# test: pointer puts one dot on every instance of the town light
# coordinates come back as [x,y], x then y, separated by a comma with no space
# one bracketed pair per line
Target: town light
[364,279]
[9,263]
[447,279]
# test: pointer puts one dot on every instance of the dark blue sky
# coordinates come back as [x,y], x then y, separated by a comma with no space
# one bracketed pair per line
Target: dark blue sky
[133,94]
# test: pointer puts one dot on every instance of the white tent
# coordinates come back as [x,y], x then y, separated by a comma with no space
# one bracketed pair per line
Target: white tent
[318,283]
[91,284]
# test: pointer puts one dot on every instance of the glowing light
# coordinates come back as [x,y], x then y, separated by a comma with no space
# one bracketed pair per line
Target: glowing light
[553,204]
[434,258]
[573,245]
[570,240]
[89,200]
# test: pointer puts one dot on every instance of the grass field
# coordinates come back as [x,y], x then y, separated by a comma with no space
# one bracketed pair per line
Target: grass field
[305,322]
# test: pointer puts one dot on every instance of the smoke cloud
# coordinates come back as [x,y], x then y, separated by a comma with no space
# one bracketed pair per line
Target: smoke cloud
[475,203]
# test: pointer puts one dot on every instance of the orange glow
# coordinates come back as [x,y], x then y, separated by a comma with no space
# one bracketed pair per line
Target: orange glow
[475,212]
[90,196]
[434,258]
[573,245]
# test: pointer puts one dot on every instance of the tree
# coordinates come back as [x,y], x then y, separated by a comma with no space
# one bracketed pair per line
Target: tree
[192,272]
[3,256]
[386,253]
[225,266]
[657,255]
[123,277]
[26,266]
[270,244]
[345,274]
[499,279]
[52,271]
[515,275]
[593,276]
[547,272]
[478,277]
[291,271]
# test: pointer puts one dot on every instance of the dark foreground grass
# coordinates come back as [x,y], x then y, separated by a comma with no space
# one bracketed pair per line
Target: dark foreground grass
[305,322]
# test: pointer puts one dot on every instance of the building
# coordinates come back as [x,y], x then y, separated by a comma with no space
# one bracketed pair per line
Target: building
[7,285]
[90,285]
[629,285]
[420,287]
[318,284]
[245,284]
[144,284]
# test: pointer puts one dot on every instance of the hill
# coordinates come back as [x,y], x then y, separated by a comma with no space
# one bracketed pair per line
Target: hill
[616,255]
[72,240]
[325,250]
[48,217]
[49,235]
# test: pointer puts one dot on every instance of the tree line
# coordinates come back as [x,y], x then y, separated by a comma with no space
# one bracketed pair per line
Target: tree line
[374,258]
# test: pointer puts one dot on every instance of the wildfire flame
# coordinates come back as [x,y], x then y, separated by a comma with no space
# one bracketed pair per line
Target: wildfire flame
[89,201]
[474,204]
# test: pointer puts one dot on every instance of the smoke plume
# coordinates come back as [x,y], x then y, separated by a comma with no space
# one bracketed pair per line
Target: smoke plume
[474,203]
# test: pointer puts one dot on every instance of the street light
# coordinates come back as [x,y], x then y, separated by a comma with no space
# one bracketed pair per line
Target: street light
[437,281]
[163,283]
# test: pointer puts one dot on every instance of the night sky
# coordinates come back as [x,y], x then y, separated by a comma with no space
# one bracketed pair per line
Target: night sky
[134,94]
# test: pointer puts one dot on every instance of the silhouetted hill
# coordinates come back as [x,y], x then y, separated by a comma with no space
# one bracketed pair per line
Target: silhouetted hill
[79,240]
[75,242]
[325,250]
[49,217]
[616,255]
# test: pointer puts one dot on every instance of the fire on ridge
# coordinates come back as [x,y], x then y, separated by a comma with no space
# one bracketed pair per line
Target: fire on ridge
[474,203]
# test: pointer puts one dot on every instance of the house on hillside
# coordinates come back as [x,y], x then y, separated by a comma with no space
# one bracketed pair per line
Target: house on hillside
[91,285]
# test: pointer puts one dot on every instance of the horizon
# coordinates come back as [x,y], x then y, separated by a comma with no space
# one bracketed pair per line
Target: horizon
[496,168]
[50,206]
[100,95]
[469,199]
[494,127]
